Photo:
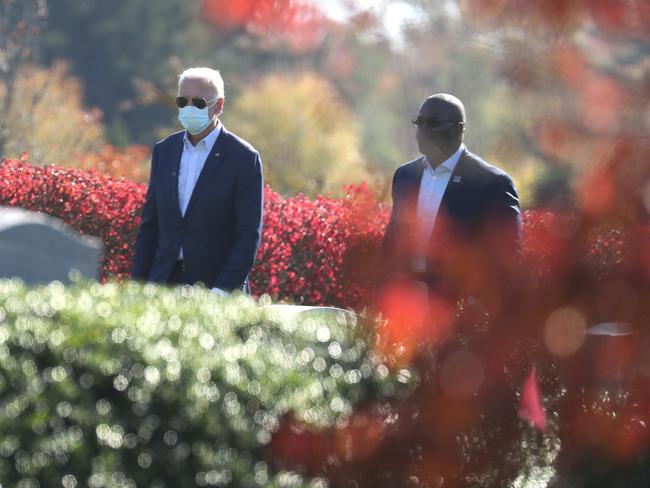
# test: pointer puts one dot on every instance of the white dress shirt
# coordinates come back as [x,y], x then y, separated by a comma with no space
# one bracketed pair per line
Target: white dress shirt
[432,188]
[192,161]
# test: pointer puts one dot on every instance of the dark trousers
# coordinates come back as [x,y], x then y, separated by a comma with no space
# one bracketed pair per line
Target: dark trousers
[179,277]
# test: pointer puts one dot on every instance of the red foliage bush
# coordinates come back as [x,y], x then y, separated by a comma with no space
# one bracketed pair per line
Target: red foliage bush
[305,245]
[317,251]
[92,203]
[320,252]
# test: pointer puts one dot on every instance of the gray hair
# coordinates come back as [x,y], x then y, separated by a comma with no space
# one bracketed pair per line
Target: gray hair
[211,76]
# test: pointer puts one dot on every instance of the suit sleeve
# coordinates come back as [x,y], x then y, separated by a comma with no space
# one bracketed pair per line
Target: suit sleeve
[147,239]
[248,208]
[389,234]
[505,216]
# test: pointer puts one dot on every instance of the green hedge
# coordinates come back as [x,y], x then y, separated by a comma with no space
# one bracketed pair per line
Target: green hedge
[140,385]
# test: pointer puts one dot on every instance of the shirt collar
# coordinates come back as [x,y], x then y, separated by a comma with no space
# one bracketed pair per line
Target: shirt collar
[450,163]
[207,142]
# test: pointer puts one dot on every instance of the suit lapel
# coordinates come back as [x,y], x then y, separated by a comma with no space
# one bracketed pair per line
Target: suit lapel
[453,196]
[171,173]
[212,164]
[455,186]
[415,179]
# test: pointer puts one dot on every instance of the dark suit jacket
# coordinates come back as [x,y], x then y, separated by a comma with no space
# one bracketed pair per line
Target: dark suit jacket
[479,210]
[221,229]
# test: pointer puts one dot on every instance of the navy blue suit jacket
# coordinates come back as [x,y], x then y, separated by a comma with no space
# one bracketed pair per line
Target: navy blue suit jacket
[221,229]
[479,198]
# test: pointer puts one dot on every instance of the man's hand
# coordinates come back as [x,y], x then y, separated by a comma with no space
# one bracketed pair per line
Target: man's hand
[219,292]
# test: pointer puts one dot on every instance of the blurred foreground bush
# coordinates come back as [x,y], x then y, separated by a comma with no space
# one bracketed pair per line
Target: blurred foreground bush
[130,385]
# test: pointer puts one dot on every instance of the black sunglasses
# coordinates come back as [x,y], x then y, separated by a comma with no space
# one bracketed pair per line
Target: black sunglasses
[198,102]
[432,123]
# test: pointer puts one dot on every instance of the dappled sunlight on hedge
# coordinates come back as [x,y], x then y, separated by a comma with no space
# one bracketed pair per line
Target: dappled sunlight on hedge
[130,383]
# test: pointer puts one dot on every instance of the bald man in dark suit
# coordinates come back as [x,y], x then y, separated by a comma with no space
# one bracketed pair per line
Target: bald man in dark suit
[456,220]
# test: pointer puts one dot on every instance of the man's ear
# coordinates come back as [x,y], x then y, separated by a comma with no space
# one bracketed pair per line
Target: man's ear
[219,106]
[455,131]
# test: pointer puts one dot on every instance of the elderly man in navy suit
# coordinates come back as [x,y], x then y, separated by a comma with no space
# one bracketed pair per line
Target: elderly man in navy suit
[202,218]
[455,223]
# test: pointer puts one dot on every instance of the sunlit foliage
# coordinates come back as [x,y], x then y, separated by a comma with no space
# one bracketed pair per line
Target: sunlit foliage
[139,385]
[48,119]
[308,139]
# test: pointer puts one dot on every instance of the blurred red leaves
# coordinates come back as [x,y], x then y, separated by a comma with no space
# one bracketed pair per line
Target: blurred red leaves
[361,436]
[631,17]
[569,64]
[531,408]
[354,442]
[294,444]
[611,191]
[413,319]
[597,191]
[601,101]
[546,245]
[300,24]
[605,430]
[228,13]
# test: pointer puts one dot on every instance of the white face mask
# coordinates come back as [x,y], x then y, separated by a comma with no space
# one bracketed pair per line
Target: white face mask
[195,120]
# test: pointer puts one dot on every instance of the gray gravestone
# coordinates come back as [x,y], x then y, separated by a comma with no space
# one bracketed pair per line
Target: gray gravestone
[38,248]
